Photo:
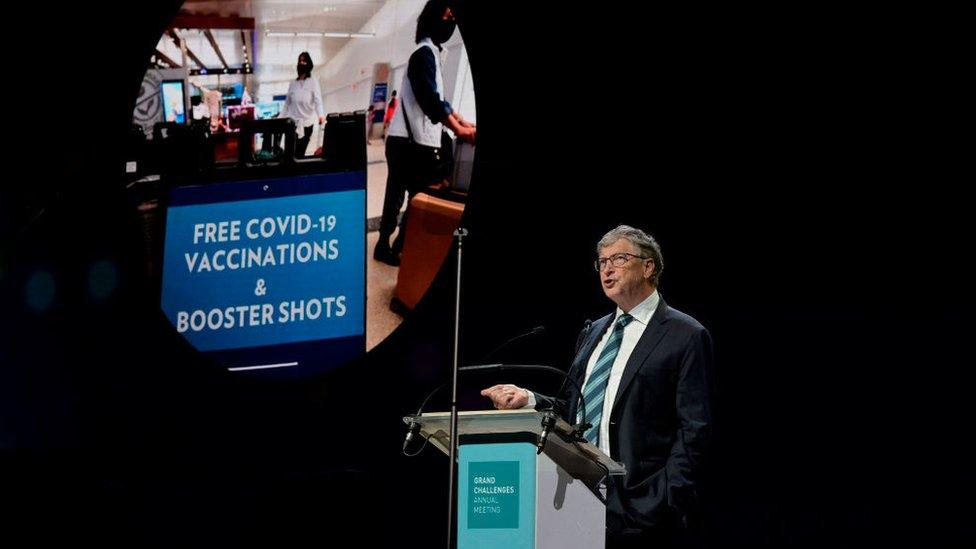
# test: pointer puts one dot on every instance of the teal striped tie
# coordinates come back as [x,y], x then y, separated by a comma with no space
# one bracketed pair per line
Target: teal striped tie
[596,385]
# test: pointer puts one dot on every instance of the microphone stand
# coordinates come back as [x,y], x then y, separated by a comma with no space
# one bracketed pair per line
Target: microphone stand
[460,233]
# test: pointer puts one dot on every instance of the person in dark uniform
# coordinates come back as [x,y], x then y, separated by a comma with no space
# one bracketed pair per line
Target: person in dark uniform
[415,135]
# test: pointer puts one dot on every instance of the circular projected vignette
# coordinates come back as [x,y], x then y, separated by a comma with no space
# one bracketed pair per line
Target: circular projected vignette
[269,269]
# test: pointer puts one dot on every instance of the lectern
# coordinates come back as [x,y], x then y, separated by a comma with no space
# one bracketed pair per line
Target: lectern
[510,496]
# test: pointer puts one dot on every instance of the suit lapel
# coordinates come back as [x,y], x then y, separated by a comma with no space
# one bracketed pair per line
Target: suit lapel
[645,346]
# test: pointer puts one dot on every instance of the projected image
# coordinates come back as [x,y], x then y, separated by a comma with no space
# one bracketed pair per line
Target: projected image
[274,105]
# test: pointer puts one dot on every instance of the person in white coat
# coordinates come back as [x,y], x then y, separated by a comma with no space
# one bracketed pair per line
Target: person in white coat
[303,104]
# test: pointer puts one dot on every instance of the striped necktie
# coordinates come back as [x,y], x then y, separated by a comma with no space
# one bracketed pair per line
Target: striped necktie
[596,385]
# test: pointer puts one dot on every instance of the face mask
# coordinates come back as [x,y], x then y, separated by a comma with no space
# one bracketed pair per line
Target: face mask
[444,32]
[302,69]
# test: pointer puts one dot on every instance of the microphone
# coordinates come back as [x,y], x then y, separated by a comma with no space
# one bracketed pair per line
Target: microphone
[535,331]
[412,430]
[414,426]
[548,422]
[579,429]
[538,330]
[582,337]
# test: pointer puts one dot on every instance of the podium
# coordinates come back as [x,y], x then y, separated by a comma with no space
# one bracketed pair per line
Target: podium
[509,496]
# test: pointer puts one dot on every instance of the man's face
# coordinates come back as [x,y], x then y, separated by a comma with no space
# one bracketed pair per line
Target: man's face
[627,284]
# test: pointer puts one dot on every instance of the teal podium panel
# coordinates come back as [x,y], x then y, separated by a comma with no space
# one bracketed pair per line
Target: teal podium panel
[496,495]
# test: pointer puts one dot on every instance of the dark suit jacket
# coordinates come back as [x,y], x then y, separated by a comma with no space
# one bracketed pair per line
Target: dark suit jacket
[660,420]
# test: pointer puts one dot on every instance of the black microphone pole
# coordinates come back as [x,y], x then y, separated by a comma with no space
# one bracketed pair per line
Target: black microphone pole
[452,454]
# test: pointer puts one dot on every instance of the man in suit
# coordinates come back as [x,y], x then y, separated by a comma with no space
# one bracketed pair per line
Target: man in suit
[645,372]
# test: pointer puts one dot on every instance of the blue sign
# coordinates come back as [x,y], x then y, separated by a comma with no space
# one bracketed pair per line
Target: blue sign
[379,102]
[256,271]
[379,93]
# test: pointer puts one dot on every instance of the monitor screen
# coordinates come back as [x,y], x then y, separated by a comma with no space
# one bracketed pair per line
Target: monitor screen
[232,92]
[267,110]
[174,101]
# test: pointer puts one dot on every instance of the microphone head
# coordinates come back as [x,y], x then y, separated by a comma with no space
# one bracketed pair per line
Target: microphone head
[539,330]
[412,430]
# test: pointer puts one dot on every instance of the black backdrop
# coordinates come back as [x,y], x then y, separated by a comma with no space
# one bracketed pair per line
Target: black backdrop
[797,168]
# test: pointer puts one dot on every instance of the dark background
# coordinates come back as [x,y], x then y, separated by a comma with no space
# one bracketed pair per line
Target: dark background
[799,168]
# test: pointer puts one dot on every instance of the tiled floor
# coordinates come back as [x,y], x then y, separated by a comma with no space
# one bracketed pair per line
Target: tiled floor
[380,277]
[380,284]
[375,179]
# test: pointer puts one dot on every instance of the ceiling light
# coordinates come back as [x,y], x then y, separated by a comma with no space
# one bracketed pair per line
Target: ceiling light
[329,34]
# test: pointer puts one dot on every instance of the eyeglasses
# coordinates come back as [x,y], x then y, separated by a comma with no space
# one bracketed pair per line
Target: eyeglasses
[617,260]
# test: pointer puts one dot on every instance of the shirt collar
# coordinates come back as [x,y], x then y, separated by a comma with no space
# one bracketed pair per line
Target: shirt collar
[644,311]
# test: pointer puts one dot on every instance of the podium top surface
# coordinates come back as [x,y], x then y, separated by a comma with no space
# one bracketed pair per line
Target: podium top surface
[560,445]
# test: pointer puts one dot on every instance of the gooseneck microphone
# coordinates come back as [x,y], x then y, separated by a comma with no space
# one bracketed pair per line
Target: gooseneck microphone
[548,422]
[412,429]
[414,425]
[538,330]
[582,337]
[578,429]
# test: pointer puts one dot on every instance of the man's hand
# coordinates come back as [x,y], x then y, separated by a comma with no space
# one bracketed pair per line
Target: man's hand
[507,397]
[321,120]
